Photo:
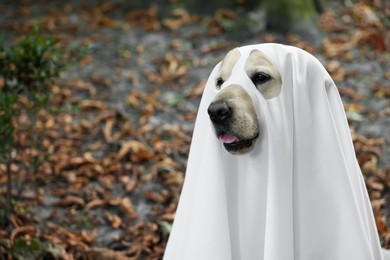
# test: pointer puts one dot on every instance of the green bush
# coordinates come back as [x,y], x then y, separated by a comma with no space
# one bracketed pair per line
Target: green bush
[30,65]
[27,68]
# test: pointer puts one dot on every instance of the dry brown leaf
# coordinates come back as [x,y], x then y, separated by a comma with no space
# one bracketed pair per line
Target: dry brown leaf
[375,185]
[15,221]
[147,18]
[170,67]
[154,196]
[375,39]
[197,91]
[137,150]
[190,116]
[114,201]
[94,203]
[78,161]
[381,222]
[82,85]
[179,18]
[133,99]
[382,91]
[106,181]
[147,112]
[100,80]
[87,59]
[72,239]
[70,200]
[219,46]
[126,206]
[167,217]
[329,22]
[33,197]
[22,230]
[378,204]
[371,165]
[107,129]
[347,91]
[153,77]
[340,45]
[174,178]
[88,237]
[104,254]
[106,21]
[92,104]
[115,220]
[365,16]
[176,44]
[306,46]
[335,70]
[130,186]
[225,13]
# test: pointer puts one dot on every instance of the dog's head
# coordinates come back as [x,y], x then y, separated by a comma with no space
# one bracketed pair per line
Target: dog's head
[232,111]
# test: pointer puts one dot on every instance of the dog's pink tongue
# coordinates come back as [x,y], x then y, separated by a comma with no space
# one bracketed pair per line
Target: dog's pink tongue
[228,139]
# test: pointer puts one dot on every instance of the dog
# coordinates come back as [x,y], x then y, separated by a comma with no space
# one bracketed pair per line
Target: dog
[272,172]
[232,111]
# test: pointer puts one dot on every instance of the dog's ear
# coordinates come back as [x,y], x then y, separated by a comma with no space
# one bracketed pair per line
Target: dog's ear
[264,74]
[227,66]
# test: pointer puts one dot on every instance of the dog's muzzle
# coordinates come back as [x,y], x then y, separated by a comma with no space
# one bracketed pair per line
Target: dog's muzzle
[223,118]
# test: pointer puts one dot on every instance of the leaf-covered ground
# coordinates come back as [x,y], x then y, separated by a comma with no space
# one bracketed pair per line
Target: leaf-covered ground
[120,123]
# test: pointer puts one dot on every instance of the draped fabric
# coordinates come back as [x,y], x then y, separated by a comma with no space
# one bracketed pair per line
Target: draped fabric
[299,194]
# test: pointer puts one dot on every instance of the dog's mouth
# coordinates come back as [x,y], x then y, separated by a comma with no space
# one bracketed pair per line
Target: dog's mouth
[235,144]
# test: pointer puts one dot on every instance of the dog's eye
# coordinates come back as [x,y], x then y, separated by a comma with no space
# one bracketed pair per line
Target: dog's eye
[219,82]
[259,78]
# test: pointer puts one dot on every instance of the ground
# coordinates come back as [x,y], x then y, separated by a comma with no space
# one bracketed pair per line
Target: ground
[121,137]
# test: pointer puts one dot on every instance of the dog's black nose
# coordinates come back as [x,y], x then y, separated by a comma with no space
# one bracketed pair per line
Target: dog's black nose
[219,111]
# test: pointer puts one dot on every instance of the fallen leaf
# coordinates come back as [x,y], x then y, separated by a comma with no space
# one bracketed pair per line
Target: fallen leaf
[147,18]
[197,91]
[154,196]
[378,204]
[350,92]
[30,230]
[375,39]
[336,46]
[106,21]
[82,85]
[115,220]
[130,185]
[107,129]
[126,206]
[70,200]
[88,237]
[335,70]
[179,18]
[104,254]
[371,165]
[137,150]
[165,227]
[366,17]
[92,104]
[94,203]
[107,181]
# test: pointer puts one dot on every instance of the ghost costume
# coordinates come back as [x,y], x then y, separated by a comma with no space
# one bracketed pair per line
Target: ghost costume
[299,194]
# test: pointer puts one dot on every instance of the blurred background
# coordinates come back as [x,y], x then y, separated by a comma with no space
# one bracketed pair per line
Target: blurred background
[98,101]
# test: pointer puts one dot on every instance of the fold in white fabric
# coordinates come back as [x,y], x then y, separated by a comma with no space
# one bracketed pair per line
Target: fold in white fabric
[299,194]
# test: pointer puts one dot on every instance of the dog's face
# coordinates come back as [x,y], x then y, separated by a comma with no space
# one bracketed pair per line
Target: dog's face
[232,111]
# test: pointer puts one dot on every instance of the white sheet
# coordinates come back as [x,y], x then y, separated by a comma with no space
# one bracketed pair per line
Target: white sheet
[298,195]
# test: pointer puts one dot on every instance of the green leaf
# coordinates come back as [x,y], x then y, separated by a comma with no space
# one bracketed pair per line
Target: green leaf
[354,115]
[165,227]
